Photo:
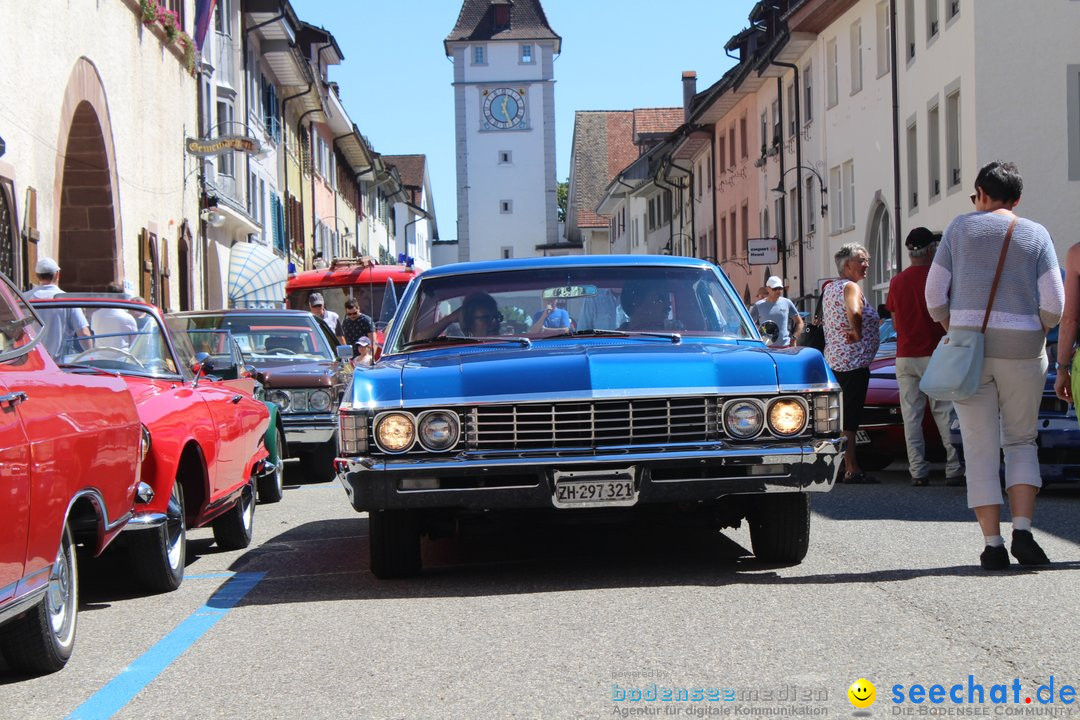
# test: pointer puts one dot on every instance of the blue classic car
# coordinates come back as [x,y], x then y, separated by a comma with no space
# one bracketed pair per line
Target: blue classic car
[652,390]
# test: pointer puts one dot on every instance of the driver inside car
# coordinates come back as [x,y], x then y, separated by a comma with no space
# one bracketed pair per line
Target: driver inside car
[648,305]
[478,316]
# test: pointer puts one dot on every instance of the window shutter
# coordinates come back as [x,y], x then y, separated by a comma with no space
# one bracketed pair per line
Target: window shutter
[163,277]
[146,266]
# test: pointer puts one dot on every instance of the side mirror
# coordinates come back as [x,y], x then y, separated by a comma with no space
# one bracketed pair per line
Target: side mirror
[344,352]
[769,331]
[202,364]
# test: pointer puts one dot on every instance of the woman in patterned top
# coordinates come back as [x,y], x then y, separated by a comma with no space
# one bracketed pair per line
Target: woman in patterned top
[851,341]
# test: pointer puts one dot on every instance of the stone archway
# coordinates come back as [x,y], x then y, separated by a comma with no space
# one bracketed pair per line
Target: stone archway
[88,223]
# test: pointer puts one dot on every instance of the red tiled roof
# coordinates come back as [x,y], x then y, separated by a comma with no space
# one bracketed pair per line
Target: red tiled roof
[603,146]
[649,121]
[409,167]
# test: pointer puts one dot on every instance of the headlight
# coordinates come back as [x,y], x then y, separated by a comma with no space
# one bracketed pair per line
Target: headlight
[787,417]
[743,419]
[395,432]
[281,398]
[319,401]
[438,429]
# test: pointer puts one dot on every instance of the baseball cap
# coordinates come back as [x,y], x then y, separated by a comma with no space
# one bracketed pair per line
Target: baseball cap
[920,237]
[46,266]
[774,282]
[315,299]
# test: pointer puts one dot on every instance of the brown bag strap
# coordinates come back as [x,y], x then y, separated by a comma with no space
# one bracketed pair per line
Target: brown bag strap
[997,273]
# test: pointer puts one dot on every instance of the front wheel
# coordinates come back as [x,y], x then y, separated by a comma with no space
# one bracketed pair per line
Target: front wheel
[233,530]
[41,640]
[394,543]
[780,527]
[272,488]
[158,555]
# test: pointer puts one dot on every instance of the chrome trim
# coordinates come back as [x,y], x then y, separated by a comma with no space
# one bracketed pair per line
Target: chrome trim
[309,435]
[144,494]
[22,604]
[455,421]
[609,394]
[806,415]
[146,521]
[753,401]
[265,468]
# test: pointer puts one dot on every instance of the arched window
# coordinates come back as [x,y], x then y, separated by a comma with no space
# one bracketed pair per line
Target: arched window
[882,247]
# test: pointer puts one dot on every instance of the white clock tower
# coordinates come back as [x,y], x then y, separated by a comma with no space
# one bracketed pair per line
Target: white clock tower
[504,105]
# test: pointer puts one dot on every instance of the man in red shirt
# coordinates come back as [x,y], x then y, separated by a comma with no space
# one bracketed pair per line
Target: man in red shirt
[916,337]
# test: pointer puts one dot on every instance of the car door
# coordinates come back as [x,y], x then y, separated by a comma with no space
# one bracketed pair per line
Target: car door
[14,491]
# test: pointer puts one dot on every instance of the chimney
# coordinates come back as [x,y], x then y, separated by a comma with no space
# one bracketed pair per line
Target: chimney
[689,89]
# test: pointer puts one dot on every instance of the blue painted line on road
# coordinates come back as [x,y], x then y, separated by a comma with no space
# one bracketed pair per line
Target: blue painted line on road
[110,699]
[209,576]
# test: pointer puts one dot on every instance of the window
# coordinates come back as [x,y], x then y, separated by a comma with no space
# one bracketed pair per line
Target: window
[764,132]
[526,54]
[745,226]
[952,9]
[838,196]
[952,138]
[262,208]
[252,189]
[933,150]
[226,161]
[833,80]
[723,238]
[651,217]
[478,55]
[722,148]
[506,206]
[909,29]
[849,187]
[792,127]
[808,195]
[808,94]
[223,17]
[777,136]
[708,175]
[731,145]
[504,157]
[932,20]
[912,167]
[856,57]
[884,39]
[743,143]
[778,216]
[794,214]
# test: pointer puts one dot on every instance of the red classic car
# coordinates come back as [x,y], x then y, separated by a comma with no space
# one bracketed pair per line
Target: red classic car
[70,450]
[206,436]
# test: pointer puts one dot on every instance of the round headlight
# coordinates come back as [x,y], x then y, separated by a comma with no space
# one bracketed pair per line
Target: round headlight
[438,430]
[395,432]
[281,398]
[319,401]
[743,419]
[787,417]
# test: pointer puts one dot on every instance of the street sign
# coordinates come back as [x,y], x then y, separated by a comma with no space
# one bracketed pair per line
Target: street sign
[763,251]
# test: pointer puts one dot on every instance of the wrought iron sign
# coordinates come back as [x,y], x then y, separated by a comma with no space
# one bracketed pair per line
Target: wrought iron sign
[202,147]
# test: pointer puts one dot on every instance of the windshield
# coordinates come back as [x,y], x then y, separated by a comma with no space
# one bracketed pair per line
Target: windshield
[266,340]
[546,302]
[125,340]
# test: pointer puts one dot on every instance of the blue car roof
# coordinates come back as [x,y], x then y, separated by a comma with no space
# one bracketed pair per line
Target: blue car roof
[569,261]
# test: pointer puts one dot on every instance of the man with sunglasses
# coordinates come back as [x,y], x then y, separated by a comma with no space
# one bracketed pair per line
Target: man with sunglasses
[356,324]
[781,311]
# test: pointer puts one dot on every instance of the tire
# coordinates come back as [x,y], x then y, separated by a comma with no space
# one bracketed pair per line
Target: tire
[780,527]
[159,555]
[318,464]
[42,639]
[272,489]
[233,530]
[394,543]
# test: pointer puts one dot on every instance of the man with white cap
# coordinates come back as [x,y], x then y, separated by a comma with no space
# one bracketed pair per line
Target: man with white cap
[781,311]
[60,324]
[317,306]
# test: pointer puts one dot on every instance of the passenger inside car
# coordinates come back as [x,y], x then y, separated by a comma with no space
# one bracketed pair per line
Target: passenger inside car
[648,304]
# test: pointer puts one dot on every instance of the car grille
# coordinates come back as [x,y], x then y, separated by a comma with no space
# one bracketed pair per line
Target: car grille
[604,423]
[879,415]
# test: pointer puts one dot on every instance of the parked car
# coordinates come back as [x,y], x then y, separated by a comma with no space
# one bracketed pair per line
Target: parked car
[377,288]
[660,397]
[220,357]
[297,361]
[206,435]
[71,449]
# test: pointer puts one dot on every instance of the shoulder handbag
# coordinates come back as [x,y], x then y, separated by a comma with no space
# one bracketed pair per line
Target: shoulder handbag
[813,334]
[955,367]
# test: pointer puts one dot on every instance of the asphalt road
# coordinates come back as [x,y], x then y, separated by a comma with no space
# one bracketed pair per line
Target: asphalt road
[557,622]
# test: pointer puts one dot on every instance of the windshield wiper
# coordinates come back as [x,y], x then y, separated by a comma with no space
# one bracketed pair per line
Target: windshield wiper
[459,340]
[675,338]
[82,366]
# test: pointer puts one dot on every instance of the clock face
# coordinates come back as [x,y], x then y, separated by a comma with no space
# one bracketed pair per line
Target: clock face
[504,108]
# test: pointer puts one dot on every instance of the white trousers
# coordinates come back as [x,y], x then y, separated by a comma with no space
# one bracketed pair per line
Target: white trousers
[1003,414]
[909,371]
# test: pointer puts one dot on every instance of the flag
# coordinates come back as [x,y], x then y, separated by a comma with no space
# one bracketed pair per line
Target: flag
[204,10]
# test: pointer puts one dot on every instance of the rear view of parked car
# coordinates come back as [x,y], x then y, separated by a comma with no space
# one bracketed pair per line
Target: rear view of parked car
[70,449]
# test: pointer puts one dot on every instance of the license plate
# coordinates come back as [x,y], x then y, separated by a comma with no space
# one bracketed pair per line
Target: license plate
[862,437]
[595,488]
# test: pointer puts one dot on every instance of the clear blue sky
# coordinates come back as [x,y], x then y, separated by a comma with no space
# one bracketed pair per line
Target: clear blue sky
[616,55]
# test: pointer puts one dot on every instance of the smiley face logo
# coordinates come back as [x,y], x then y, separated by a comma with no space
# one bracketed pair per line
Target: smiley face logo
[862,693]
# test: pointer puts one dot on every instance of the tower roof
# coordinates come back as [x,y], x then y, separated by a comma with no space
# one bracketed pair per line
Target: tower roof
[478,21]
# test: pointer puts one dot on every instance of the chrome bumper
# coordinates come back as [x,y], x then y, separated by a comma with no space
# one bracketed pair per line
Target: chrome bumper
[145,521]
[506,480]
[309,429]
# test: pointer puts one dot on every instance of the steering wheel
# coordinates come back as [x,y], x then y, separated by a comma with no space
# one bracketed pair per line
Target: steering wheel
[281,351]
[105,349]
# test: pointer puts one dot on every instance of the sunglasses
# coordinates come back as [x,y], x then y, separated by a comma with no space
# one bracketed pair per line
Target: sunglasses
[487,318]
[973,196]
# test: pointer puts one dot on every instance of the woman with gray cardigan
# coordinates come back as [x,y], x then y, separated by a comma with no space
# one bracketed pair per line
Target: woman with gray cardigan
[1004,411]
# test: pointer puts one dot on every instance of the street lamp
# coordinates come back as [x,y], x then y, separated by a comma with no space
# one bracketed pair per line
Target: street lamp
[799,200]
[821,184]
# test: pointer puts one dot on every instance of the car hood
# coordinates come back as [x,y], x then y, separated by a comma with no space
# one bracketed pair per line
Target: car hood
[300,375]
[588,371]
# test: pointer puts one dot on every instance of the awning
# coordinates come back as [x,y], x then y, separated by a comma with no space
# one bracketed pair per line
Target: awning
[256,277]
